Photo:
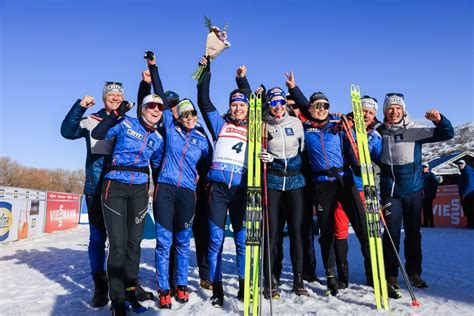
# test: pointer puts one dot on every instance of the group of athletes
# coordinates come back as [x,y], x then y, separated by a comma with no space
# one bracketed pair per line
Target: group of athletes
[200,178]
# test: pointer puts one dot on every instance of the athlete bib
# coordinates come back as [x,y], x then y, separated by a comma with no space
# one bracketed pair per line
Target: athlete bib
[230,152]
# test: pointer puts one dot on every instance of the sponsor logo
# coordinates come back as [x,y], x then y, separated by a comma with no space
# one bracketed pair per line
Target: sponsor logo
[289,131]
[138,219]
[194,141]
[33,222]
[15,194]
[230,129]
[188,224]
[27,194]
[127,123]
[151,143]
[62,215]
[398,138]
[6,219]
[134,134]
[37,195]
[2,193]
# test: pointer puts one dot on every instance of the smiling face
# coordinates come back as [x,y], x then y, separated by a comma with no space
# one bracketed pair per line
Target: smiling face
[369,116]
[279,109]
[319,109]
[188,119]
[112,101]
[152,113]
[238,109]
[394,113]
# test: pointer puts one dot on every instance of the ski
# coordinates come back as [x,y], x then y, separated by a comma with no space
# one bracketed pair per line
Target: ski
[254,207]
[371,203]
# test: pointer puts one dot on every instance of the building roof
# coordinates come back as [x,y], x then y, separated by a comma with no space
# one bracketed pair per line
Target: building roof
[445,165]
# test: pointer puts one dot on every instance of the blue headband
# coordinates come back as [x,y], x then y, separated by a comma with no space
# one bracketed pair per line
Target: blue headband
[238,98]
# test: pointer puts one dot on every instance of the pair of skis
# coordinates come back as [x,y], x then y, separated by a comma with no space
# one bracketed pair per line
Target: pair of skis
[373,210]
[256,202]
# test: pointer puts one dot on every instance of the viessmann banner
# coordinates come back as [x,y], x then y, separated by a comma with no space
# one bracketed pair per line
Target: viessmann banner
[22,213]
[447,209]
[62,211]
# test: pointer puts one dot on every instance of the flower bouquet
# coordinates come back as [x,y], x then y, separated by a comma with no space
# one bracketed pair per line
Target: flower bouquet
[215,44]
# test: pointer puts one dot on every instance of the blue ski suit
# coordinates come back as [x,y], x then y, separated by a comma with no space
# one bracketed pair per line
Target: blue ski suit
[228,181]
[174,202]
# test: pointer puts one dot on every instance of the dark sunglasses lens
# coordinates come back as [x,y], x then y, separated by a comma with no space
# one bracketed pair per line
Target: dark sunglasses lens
[320,106]
[152,106]
[187,114]
[395,94]
[274,103]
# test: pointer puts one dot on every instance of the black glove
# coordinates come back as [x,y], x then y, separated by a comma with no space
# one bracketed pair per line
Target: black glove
[123,108]
[149,55]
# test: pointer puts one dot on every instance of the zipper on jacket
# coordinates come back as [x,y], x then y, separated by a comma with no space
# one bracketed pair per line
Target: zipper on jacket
[284,156]
[391,168]
[181,160]
[138,155]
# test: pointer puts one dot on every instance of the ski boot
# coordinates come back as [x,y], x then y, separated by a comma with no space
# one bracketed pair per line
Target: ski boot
[274,292]
[182,294]
[101,297]
[131,299]
[143,295]
[331,283]
[240,294]
[310,278]
[118,308]
[342,275]
[217,299]
[298,285]
[393,288]
[417,281]
[165,299]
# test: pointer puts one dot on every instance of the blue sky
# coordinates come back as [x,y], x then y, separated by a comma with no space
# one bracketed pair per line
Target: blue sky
[54,52]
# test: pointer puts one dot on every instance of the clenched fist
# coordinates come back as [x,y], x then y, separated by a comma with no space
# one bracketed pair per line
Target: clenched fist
[241,71]
[87,101]
[146,76]
[433,115]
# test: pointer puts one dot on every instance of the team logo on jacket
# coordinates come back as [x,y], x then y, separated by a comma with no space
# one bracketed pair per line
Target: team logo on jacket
[134,134]
[398,138]
[289,131]
[370,137]
[194,141]
[151,142]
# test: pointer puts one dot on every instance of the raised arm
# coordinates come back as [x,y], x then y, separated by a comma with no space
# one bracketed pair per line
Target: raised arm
[298,96]
[241,80]
[71,126]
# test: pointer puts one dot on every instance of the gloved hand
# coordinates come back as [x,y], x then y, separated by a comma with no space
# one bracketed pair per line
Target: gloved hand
[150,57]
[265,157]
[124,107]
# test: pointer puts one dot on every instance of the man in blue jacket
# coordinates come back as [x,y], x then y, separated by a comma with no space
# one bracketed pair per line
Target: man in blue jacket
[466,191]
[401,182]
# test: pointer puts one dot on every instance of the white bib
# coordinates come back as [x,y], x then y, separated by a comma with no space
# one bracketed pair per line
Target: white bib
[230,151]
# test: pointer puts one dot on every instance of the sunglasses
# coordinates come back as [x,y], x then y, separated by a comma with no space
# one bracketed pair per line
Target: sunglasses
[187,114]
[108,83]
[392,94]
[320,105]
[153,105]
[280,102]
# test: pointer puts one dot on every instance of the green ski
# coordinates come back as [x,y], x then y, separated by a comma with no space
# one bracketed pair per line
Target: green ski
[254,207]
[372,205]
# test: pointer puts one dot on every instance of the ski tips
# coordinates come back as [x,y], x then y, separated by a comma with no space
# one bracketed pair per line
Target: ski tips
[355,88]
[415,303]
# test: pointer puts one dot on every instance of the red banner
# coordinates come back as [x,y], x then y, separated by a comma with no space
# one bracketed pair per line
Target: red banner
[62,211]
[447,209]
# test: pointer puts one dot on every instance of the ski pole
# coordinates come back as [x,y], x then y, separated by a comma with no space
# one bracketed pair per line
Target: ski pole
[350,137]
[414,301]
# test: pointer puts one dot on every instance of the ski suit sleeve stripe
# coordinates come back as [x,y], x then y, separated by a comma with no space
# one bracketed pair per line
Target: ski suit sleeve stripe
[71,127]
[300,100]
[102,129]
[212,118]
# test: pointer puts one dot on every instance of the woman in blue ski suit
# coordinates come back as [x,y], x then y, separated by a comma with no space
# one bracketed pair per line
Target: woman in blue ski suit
[125,194]
[174,200]
[228,179]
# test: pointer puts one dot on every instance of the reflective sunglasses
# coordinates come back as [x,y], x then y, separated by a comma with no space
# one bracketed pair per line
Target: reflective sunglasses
[108,83]
[320,105]
[153,105]
[392,94]
[187,114]
[280,102]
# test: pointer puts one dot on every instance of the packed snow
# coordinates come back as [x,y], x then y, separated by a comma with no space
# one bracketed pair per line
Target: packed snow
[49,275]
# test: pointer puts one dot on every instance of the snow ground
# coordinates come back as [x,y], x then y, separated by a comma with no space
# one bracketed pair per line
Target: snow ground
[49,275]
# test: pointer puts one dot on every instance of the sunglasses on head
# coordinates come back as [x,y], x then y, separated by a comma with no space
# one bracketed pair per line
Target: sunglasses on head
[108,83]
[280,102]
[187,114]
[393,94]
[153,105]
[320,105]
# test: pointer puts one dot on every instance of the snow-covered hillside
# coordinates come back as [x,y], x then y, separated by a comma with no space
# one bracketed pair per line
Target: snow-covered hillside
[463,140]
[49,275]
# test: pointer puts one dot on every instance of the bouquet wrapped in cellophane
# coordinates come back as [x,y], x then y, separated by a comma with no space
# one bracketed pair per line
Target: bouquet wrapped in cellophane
[215,44]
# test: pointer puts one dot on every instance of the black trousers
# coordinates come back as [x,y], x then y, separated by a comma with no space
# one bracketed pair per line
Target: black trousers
[294,213]
[467,203]
[124,207]
[428,211]
[326,196]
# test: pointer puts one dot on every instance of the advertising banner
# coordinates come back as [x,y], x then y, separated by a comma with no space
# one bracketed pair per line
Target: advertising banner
[62,211]
[22,213]
[447,209]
